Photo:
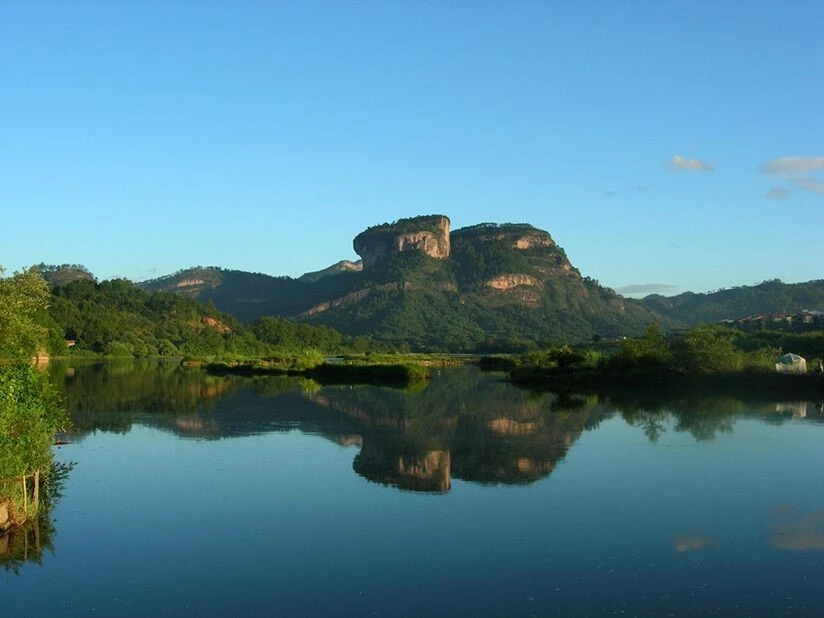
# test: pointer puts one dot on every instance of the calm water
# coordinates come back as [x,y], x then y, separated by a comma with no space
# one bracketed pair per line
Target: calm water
[194,495]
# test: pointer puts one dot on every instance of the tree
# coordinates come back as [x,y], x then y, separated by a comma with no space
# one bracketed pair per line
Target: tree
[30,411]
[22,296]
[651,350]
[707,349]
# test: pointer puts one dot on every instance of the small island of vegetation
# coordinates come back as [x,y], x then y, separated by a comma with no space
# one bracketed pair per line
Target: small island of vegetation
[402,371]
[705,356]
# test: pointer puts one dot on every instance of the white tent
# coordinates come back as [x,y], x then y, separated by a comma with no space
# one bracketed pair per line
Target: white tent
[791,363]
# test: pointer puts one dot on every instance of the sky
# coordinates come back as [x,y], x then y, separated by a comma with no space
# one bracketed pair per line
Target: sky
[666,146]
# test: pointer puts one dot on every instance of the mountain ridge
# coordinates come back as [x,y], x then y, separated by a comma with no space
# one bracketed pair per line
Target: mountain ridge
[485,285]
[489,286]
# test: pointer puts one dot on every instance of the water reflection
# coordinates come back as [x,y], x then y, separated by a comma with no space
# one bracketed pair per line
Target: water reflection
[464,425]
[28,543]
[590,505]
[691,543]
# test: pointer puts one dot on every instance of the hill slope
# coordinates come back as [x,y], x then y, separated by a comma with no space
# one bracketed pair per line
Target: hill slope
[765,298]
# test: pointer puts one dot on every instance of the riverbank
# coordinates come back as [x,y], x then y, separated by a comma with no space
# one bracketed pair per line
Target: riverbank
[747,382]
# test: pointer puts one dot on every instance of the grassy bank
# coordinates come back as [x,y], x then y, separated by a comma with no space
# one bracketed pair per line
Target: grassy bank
[704,357]
[744,382]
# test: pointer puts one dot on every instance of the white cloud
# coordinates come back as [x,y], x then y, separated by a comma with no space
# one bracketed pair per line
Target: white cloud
[779,194]
[805,173]
[810,185]
[679,163]
[793,165]
[638,289]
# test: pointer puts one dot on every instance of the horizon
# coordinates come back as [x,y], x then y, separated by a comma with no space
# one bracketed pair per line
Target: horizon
[666,149]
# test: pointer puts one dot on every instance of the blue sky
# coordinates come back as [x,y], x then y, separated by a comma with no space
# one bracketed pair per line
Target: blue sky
[667,146]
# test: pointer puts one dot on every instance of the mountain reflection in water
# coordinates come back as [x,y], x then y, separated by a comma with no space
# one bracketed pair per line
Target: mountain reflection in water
[465,424]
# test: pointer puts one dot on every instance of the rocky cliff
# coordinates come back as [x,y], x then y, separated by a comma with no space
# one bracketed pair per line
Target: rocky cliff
[427,234]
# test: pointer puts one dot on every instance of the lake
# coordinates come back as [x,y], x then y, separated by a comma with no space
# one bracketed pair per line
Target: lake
[186,494]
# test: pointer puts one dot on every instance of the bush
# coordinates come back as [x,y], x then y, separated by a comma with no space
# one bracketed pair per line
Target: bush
[708,349]
[30,415]
[651,350]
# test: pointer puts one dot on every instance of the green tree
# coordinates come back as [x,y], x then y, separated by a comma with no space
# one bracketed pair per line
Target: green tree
[707,349]
[22,297]
[30,412]
[652,349]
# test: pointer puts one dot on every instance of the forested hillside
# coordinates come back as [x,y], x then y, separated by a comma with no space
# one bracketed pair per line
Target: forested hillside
[480,288]
[735,303]
[117,318]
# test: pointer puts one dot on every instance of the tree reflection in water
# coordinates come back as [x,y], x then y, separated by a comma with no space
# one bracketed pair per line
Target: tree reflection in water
[28,542]
[466,424]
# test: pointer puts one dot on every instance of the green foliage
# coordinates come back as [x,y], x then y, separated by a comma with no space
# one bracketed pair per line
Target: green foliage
[651,350]
[739,302]
[23,299]
[414,300]
[30,414]
[712,352]
[118,319]
[400,373]
[708,349]
[704,349]
[291,335]
[31,538]
[484,251]
[563,357]
[425,223]
[63,274]
[308,358]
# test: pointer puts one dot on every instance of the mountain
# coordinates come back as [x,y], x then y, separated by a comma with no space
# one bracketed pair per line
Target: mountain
[245,295]
[488,286]
[334,269]
[485,287]
[768,297]
[63,274]
[117,318]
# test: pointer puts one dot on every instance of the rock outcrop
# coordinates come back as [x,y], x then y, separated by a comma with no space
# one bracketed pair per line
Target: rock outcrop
[216,324]
[506,282]
[429,234]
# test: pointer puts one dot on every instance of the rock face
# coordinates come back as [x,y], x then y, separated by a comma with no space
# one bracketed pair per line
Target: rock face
[538,239]
[348,299]
[506,282]
[216,324]
[429,234]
